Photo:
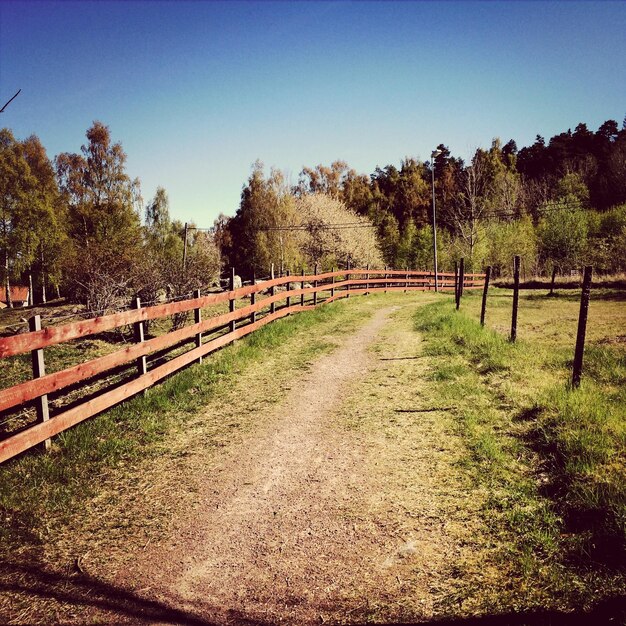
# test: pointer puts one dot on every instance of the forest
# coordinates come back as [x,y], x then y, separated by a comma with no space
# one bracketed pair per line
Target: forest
[77,225]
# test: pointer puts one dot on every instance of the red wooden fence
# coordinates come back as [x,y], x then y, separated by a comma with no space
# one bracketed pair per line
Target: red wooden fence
[353,282]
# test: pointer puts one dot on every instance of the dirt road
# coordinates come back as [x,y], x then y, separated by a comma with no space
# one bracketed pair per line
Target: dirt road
[310,519]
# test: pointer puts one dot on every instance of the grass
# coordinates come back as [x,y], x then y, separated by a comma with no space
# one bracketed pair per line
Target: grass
[39,493]
[553,458]
[18,369]
[542,465]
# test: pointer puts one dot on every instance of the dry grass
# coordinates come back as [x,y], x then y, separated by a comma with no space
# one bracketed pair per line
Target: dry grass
[87,502]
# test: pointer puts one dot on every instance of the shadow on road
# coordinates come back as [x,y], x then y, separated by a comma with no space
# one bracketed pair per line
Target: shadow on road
[114,604]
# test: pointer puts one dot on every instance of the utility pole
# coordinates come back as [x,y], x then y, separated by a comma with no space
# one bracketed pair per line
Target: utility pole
[434,154]
[185,248]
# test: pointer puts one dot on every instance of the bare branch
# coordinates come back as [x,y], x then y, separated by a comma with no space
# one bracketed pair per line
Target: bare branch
[11,100]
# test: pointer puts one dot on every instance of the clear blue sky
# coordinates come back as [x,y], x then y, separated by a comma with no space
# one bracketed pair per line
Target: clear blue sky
[197,91]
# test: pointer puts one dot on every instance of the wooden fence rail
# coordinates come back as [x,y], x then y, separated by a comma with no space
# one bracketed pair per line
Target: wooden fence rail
[240,321]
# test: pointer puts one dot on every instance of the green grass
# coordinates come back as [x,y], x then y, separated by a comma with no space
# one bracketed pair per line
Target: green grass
[39,493]
[515,403]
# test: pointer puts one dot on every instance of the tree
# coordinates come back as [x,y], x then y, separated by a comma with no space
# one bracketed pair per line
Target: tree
[17,197]
[48,241]
[163,250]
[262,230]
[103,225]
[356,192]
[223,238]
[321,179]
[504,240]
[328,244]
[471,202]
[563,236]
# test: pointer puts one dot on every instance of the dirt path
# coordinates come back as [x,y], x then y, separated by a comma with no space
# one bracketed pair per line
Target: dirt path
[310,520]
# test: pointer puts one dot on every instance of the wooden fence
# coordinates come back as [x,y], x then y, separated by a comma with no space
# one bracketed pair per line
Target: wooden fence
[205,336]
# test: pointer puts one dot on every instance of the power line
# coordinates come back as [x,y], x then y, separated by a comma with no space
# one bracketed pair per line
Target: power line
[308,227]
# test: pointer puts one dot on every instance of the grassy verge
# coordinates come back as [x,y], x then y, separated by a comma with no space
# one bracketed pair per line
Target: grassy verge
[40,493]
[552,459]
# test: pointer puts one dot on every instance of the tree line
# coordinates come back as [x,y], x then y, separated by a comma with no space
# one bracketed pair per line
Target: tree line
[558,204]
[77,224]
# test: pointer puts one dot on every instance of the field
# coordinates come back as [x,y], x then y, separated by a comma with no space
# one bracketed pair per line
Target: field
[461,476]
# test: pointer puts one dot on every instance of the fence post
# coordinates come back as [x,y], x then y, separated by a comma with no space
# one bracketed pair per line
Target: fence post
[582,327]
[406,280]
[315,285]
[253,299]
[483,308]
[272,290]
[332,289]
[367,280]
[231,301]
[461,282]
[348,277]
[197,318]
[456,280]
[302,287]
[385,283]
[551,292]
[39,370]
[516,263]
[138,331]
[288,289]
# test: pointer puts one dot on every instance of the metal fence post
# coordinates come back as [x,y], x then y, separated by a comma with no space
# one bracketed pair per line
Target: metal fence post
[302,288]
[582,327]
[516,263]
[315,283]
[288,289]
[483,308]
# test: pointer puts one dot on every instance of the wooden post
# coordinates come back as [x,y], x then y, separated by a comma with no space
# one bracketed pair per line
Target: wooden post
[551,292]
[461,282]
[288,289]
[456,281]
[39,370]
[302,287]
[315,285]
[197,318]
[332,282]
[516,263]
[272,290]
[231,301]
[348,276]
[138,331]
[485,289]
[582,327]
[253,299]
